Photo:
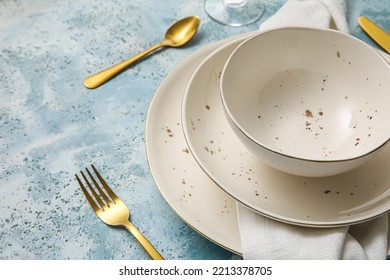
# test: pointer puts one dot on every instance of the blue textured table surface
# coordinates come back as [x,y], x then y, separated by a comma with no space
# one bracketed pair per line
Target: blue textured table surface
[51,126]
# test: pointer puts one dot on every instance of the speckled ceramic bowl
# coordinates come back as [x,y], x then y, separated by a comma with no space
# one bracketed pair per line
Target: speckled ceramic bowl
[309,102]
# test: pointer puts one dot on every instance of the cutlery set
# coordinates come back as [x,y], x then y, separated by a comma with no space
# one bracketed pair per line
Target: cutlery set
[111,209]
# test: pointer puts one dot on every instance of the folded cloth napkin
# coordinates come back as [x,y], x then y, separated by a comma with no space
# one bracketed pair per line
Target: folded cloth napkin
[311,13]
[263,238]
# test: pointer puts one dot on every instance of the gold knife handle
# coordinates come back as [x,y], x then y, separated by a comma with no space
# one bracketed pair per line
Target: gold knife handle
[375,32]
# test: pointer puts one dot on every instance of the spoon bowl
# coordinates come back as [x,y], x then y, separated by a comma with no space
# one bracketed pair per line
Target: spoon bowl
[182,31]
[177,35]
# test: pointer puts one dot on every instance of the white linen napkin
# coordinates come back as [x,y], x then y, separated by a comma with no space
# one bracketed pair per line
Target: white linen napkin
[311,13]
[264,238]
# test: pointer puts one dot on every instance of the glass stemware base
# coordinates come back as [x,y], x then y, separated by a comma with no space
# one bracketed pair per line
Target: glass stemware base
[234,12]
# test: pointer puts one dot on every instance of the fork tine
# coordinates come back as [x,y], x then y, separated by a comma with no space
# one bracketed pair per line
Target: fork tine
[95,195]
[102,193]
[105,185]
[87,195]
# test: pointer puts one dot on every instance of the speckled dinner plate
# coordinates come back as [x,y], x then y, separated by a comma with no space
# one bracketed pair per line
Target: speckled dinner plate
[346,199]
[185,186]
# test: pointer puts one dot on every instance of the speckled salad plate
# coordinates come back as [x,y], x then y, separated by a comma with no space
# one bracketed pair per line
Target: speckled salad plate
[202,169]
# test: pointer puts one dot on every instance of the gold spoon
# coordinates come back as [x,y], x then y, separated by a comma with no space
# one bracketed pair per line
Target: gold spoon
[177,35]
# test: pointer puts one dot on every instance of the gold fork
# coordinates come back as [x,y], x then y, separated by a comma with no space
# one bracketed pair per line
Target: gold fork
[112,210]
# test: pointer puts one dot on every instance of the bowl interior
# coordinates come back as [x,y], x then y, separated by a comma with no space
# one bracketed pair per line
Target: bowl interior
[308,93]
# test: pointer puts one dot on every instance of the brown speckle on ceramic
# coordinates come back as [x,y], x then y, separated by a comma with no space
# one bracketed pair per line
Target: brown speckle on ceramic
[308,114]
[170,134]
[357,141]
[168,131]
[192,125]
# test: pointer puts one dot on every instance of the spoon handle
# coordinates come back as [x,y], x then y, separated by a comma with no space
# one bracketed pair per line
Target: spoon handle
[100,78]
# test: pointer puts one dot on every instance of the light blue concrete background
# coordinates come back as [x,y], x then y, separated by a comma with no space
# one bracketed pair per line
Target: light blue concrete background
[51,126]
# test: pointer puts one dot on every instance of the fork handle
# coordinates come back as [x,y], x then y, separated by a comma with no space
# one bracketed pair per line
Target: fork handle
[143,241]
